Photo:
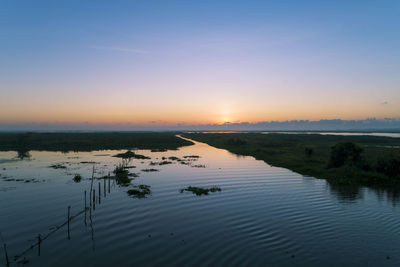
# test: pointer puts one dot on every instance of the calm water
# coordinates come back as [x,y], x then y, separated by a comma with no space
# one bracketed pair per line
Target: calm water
[263,216]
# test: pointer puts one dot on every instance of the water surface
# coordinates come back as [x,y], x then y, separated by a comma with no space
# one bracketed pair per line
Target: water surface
[263,216]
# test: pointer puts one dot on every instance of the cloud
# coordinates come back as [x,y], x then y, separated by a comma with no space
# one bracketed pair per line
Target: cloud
[121,49]
[384,103]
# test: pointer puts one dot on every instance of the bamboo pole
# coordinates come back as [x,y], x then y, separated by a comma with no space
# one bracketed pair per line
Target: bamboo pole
[91,187]
[39,241]
[99,193]
[69,215]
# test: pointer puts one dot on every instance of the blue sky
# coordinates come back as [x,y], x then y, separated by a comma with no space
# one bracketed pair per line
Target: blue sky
[199,62]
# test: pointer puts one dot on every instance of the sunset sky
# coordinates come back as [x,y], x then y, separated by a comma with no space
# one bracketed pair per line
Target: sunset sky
[198,62]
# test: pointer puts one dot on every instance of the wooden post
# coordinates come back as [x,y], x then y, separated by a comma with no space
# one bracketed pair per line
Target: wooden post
[104,187]
[69,214]
[109,178]
[91,187]
[99,193]
[85,207]
[39,241]
[5,252]
[94,199]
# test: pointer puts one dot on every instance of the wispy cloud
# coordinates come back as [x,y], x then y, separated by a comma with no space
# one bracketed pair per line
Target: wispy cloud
[121,49]
[385,103]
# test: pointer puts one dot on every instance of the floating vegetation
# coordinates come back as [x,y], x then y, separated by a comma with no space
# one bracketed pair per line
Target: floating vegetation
[198,191]
[33,180]
[133,174]
[191,157]
[77,178]
[58,166]
[140,191]
[165,162]
[129,167]
[150,170]
[173,158]
[198,166]
[121,175]
[184,163]
[88,162]
[130,154]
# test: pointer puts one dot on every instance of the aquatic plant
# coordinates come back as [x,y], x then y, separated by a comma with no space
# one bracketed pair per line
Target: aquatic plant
[140,191]
[130,154]
[58,166]
[191,157]
[121,175]
[165,162]
[198,191]
[130,167]
[77,178]
[198,166]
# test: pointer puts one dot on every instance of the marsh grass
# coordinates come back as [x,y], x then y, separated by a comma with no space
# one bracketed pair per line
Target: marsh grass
[57,166]
[77,178]
[165,162]
[198,191]
[191,157]
[130,154]
[139,191]
[198,166]
[122,175]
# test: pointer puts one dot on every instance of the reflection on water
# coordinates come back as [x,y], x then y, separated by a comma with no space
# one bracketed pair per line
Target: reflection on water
[263,215]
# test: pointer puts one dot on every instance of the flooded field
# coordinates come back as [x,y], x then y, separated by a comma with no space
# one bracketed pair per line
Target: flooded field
[251,214]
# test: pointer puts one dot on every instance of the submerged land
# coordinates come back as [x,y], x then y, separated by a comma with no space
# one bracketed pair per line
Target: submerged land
[354,160]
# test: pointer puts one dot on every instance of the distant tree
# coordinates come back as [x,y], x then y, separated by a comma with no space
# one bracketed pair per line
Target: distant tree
[345,153]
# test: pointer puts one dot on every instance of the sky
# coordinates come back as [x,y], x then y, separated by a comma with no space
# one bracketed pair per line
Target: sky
[169,63]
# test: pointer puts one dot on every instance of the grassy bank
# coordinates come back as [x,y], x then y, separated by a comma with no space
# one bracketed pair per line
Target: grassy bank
[311,154]
[23,142]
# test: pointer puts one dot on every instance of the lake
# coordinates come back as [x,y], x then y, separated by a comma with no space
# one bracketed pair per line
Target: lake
[264,216]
